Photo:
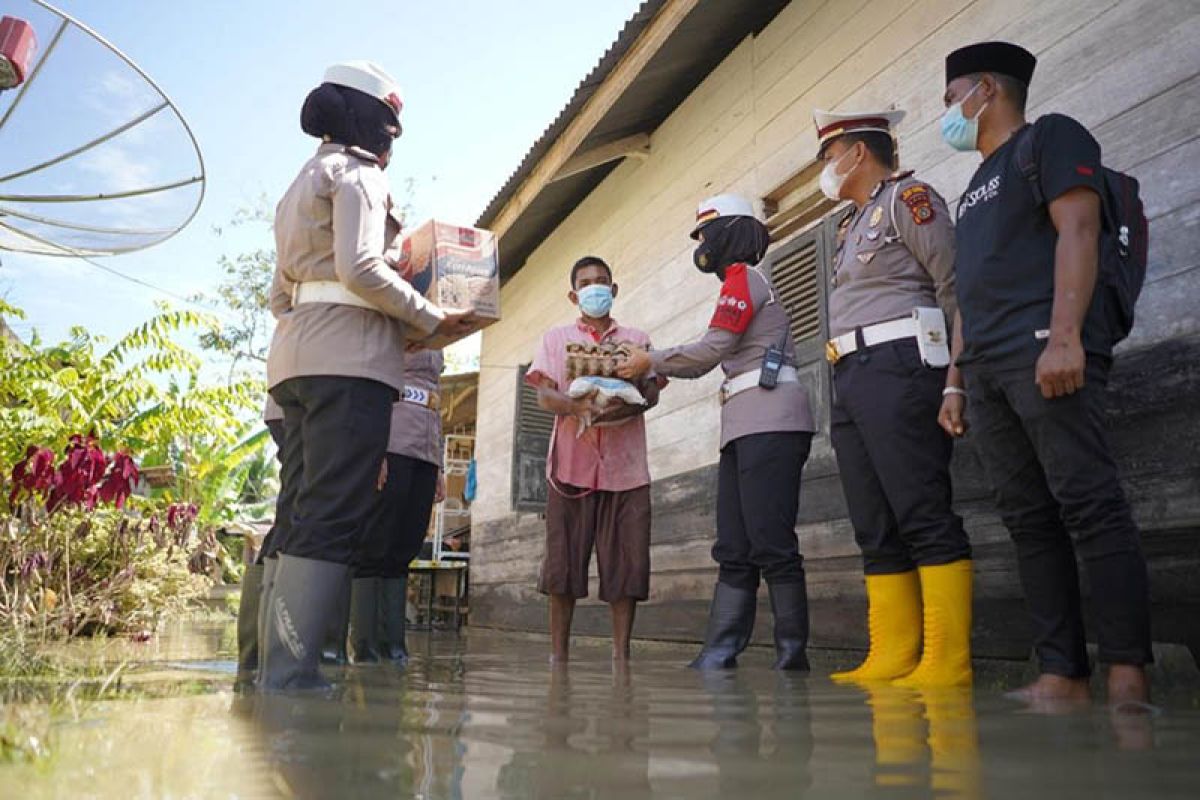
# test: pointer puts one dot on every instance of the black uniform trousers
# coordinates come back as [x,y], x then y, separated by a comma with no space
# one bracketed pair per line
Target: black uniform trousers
[288,481]
[399,518]
[1054,479]
[894,459]
[758,495]
[335,436]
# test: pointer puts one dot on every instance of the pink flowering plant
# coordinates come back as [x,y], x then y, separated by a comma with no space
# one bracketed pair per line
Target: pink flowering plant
[87,542]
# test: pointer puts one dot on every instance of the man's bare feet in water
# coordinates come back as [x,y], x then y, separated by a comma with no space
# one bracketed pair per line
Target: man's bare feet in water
[1054,694]
[1127,683]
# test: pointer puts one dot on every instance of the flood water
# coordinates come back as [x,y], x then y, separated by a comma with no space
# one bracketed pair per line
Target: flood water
[483,715]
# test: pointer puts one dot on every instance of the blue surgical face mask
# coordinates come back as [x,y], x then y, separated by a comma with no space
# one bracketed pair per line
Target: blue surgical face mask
[958,131]
[596,300]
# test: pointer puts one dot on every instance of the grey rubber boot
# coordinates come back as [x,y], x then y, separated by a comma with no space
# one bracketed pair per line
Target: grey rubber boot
[298,612]
[730,625]
[333,650]
[270,567]
[393,602]
[789,605]
[364,628]
[247,624]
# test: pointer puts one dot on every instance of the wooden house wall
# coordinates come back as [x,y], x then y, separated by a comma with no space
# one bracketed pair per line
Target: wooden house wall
[1128,70]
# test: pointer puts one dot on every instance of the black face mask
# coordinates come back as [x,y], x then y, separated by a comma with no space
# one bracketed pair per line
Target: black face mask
[350,117]
[728,241]
[704,258]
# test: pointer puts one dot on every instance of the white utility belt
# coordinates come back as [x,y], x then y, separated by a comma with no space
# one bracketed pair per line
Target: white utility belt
[421,397]
[926,325]
[327,292]
[748,380]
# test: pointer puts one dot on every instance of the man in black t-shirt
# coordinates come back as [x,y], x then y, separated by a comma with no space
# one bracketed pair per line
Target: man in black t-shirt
[1035,352]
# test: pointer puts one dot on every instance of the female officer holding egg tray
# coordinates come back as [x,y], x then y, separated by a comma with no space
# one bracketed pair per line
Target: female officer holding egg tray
[766,433]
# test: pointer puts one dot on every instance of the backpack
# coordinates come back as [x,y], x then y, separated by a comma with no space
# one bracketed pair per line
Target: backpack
[1124,235]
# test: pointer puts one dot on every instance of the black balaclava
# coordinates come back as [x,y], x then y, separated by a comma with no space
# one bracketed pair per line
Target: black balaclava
[350,117]
[731,240]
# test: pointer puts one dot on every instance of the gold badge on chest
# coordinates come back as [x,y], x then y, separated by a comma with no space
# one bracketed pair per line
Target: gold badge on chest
[876,217]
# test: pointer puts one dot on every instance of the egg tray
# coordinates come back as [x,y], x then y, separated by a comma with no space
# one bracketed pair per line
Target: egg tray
[595,360]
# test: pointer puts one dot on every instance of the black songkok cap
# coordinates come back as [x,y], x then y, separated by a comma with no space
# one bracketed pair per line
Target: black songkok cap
[1002,57]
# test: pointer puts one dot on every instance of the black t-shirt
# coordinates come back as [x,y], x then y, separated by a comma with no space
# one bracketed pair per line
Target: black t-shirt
[1004,264]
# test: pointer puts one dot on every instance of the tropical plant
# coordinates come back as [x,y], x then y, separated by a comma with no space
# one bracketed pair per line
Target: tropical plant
[141,395]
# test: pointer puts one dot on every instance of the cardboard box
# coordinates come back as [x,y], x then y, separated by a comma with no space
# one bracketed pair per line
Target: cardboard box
[455,266]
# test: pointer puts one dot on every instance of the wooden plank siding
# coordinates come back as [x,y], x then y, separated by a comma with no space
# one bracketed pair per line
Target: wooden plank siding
[1128,69]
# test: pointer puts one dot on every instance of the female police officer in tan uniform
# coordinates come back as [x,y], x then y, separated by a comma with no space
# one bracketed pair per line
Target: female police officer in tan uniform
[337,364]
[410,484]
[766,434]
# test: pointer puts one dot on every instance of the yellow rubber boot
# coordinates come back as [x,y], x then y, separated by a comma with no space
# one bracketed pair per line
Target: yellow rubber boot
[894,625]
[946,657]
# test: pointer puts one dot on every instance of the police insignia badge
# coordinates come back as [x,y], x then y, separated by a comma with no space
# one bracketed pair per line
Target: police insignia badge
[919,203]
[876,216]
[865,257]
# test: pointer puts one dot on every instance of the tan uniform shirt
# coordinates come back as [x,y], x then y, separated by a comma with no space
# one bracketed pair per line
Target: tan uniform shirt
[747,321]
[333,225]
[416,429]
[896,254]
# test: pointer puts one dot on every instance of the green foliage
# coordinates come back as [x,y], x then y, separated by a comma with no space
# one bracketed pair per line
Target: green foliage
[136,394]
[142,395]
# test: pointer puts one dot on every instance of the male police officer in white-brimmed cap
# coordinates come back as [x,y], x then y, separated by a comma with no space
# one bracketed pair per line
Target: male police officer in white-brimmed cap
[890,307]
[337,365]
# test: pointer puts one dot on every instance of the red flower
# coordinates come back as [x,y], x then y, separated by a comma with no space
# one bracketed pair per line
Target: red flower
[180,515]
[33,474]
[118,484]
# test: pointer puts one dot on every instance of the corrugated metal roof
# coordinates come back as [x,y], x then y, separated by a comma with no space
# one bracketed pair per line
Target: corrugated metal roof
[701,41]
[587,87]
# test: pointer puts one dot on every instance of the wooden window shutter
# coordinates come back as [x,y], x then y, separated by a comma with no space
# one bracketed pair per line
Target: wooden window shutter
[798,273]
[531,444]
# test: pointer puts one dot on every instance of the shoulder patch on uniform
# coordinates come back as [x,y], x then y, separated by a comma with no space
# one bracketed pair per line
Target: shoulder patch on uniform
[735,309]
[919,203]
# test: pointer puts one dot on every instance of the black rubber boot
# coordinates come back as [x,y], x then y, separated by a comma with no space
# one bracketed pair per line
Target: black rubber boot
[364,628]
[730,625]
[393,602]
[298,612]
[270,567]
[247,624]
[333,650]
[789,605]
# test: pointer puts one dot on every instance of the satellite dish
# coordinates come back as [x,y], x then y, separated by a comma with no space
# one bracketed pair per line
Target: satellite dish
[95,159]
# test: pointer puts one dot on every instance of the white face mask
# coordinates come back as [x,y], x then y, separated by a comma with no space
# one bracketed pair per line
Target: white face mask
[830,181]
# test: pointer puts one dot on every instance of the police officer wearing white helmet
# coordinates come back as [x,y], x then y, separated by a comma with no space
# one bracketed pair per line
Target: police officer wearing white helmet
[766,433]
[337,364]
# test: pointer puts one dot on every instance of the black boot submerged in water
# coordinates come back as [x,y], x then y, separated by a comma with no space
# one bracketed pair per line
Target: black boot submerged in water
[730,625]
[297,616]
[393,602]
[789,605]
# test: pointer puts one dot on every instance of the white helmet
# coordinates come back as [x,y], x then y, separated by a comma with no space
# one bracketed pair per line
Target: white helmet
[368,78]
[721,205]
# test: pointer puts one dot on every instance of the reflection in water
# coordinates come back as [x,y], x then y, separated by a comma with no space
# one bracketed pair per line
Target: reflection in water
[925,738]
[485,716]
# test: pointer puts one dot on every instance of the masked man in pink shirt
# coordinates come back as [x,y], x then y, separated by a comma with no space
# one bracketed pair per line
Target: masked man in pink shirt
[598,475]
